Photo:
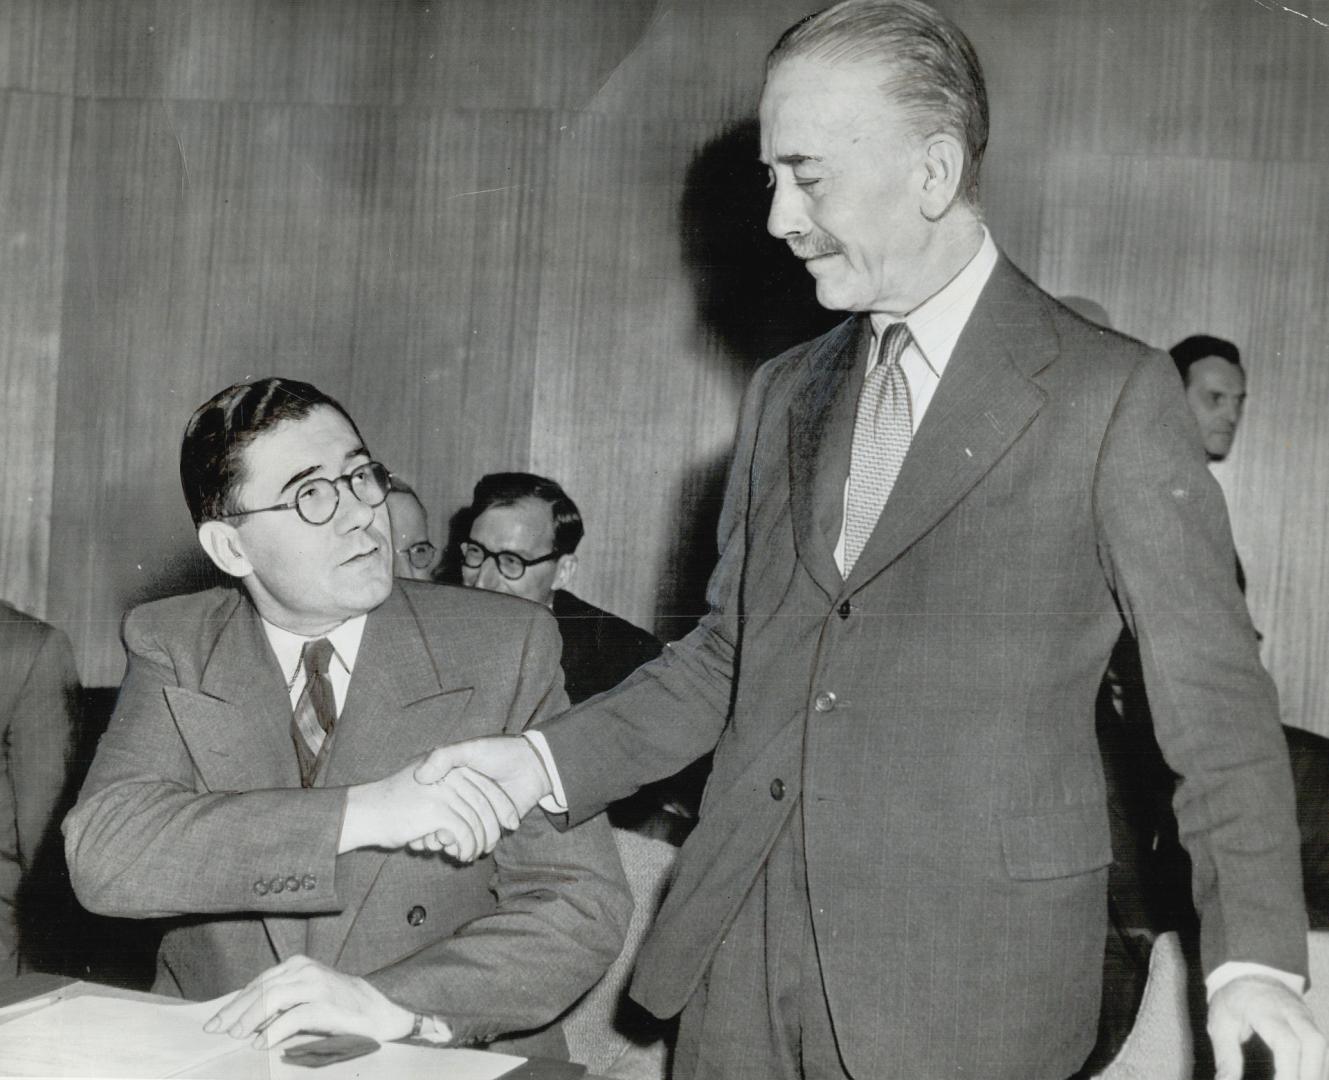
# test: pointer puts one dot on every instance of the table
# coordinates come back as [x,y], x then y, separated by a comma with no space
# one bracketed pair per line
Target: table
[33,986]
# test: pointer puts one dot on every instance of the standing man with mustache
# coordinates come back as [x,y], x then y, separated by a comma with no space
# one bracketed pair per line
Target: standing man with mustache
[255,784]
[939,516]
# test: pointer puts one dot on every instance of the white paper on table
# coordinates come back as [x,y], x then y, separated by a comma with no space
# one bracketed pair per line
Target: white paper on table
[93,1036]
[89,1035]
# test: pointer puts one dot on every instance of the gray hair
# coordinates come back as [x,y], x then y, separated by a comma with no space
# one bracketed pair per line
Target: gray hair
[935,75]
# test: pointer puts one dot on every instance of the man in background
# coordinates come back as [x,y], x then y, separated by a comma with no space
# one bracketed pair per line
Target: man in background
[414,555]
[524,533]
[1215,382]
[255,784]
[38,709]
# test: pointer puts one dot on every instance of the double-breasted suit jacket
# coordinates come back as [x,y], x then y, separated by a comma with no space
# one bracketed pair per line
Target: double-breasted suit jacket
[193,812]
[931,717]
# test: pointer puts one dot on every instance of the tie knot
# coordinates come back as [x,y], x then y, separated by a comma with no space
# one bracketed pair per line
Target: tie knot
[316,655]
[894,339]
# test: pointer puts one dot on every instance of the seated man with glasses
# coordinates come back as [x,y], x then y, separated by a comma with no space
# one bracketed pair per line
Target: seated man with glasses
[255,786]
[524,532]
[414,554]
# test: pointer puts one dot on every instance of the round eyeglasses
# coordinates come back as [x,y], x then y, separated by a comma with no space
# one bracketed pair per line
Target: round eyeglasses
[511,565]
[420,555]
[316,500]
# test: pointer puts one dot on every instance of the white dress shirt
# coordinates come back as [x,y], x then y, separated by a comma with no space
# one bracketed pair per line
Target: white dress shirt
[288,646]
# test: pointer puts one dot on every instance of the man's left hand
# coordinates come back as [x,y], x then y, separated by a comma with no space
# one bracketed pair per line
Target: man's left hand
[301,994]
[1258,1005]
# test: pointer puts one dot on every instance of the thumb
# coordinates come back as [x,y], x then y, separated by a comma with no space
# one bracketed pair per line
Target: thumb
[437,764]
[1225,1034]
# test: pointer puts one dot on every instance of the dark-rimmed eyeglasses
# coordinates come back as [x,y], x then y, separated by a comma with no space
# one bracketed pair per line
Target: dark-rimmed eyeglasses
[511,565]
[420,555]
[316,500]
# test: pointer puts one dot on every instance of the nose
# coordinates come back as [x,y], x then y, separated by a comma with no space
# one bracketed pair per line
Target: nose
[786,217]
[351,512]
[488,577]
[1231,412]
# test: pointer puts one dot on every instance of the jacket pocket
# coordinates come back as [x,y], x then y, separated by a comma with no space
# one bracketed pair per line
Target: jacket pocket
[1054,845]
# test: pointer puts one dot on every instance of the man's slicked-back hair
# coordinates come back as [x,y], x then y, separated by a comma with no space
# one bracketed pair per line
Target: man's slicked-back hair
[934,76]
[509,488]
[1200,347]
[212,450]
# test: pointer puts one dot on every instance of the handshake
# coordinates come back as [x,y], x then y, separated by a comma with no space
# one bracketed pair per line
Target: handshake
[458,799]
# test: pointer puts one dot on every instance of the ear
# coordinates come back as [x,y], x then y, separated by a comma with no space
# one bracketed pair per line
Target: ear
[222,544]
[943,165]
[567,569]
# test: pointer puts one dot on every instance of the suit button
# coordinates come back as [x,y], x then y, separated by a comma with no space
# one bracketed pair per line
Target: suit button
[416,915]
[845,610]
[292,884]
[277,884]
[777,789]
[824,702]
[309,882]
[261,888]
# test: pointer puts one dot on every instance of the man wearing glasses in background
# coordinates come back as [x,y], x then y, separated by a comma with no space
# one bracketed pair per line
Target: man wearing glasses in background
[414,554]
[255,783]
[524,532]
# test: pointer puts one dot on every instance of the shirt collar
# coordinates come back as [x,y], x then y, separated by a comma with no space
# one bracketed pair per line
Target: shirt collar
[288,646]
[935,325]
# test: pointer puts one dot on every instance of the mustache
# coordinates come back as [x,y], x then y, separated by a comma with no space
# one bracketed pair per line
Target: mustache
[809,247]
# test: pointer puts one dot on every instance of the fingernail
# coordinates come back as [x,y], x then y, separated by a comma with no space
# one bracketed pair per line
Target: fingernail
[212,1025]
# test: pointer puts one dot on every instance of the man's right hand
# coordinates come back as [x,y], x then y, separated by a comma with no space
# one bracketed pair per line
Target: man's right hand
[509,761]
[464,812]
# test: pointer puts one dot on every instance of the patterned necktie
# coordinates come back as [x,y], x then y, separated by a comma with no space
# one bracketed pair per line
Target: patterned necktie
[883,429]
[316,711]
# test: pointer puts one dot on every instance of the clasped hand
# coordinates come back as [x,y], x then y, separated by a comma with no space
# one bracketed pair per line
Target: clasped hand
[457,800]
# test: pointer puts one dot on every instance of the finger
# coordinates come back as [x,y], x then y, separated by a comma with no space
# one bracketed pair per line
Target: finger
[436,765]
[497,797]
[1225,1035]
[1312,1049]
[460,819]
[264,1008]
[1285,1046]
[298,1018]
[437,841]
[468,785]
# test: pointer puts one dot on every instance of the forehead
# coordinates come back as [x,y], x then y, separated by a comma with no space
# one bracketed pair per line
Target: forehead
[813,107]
[319,442]
[526,527]
[1216,374]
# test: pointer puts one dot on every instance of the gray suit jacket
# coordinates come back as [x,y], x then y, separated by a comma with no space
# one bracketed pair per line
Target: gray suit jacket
[38,706]
[932,716]
[193,811]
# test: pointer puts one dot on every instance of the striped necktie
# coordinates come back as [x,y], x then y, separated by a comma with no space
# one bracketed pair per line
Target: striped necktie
[883,429]
[316,711]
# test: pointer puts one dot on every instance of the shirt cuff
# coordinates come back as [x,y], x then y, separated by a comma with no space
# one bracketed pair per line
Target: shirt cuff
[557,802]
[1235,969]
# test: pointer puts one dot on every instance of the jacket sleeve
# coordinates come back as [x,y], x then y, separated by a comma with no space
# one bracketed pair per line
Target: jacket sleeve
[1165,544]
[147,840]
[562,905]
[40,735]
[671,711]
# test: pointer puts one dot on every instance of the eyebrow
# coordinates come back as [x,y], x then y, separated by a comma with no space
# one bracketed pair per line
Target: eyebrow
[796,159]
[304,474]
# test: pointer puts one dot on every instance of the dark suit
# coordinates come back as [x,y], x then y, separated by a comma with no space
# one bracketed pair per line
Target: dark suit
[600,650]
[193,811]
[38,706]
[929,721]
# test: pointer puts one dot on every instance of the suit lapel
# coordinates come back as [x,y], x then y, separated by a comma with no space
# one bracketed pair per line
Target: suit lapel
[984,402]
[247,727]
[821,428]
[392,714]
